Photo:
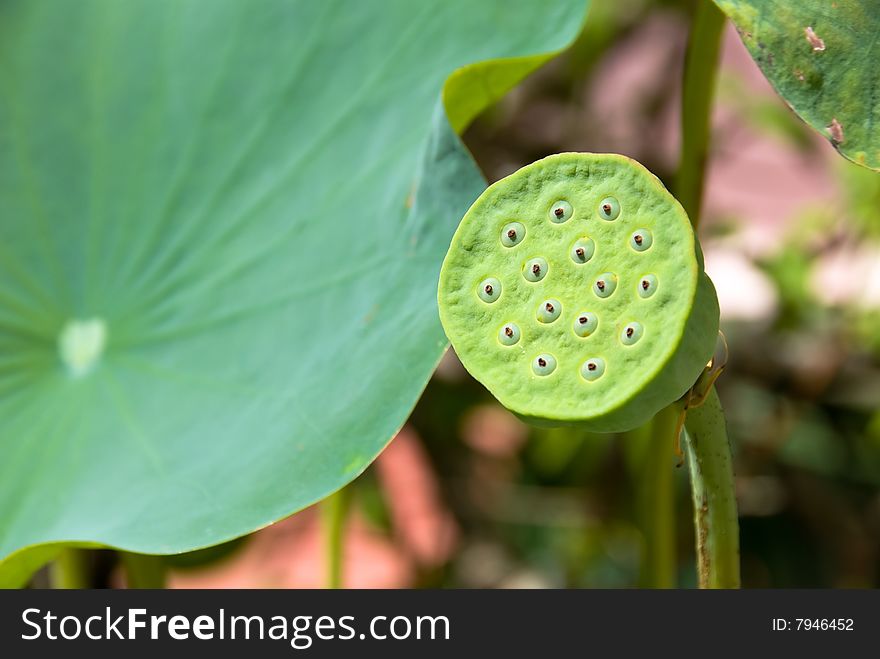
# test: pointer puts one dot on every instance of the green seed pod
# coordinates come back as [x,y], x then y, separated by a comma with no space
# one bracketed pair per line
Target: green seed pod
[639,349]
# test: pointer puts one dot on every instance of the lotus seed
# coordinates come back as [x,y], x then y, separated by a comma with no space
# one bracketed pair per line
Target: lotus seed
[592,369]
[549,310]
[535,269]
[583,250]
[609,208]
[509,334]
[585,323]
[560,212]
[544,364]
[641,240]
[606,283]
[512,234]
[631,333]
[489,290]
[647,286]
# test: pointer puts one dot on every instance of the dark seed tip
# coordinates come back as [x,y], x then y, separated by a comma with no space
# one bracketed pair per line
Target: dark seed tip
[582,320]
[591,366]
[606,208]
[512,234]
[549,307]
[508,331]
[488,289]
[600,285]
[580,252]
[629,332]
[559,212]
[645,284]
[542,362]
[638,239]
[536,269]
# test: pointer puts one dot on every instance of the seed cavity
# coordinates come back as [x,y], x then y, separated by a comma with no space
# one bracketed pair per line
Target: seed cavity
[549,310]
[631,333]
[605,285]
[647,286]
[592,369]
[609,208]
[535,269]
[561,212]
[583,250]
[585,323]
[512,234]
[489,290]
[509,334]
[544,364]
[641,240]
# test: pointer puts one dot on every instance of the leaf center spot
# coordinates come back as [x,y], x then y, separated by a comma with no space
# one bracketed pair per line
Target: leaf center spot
[81,344]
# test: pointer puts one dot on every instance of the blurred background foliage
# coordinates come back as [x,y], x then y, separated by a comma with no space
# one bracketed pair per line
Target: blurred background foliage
[468,496]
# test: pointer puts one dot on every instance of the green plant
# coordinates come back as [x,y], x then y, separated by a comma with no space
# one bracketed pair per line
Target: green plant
[574,290]
[220,242]
[221,225]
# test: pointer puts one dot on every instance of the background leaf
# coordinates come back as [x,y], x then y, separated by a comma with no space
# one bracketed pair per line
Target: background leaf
[822,59]
[254,198]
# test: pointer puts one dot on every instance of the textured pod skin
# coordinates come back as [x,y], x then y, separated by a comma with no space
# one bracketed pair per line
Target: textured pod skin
[679,320]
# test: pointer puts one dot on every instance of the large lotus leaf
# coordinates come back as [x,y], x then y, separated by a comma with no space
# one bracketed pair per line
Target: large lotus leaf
[821,57]
[234,213]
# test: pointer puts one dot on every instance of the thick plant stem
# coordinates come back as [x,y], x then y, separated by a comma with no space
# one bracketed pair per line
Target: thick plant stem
[698,90]
[143,570]
[334,511]
[709,461]
[712,486]
[71,569]
[657,503]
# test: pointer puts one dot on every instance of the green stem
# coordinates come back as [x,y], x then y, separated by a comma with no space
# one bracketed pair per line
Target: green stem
[657,503]
[709,459]
[334,511]
[700,68]
[143,570]
[71,569]
[712,486]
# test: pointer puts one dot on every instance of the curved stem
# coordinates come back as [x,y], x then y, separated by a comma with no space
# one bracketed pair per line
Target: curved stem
[712,486]
[657,502]
[334,511]
[143,570]
[71,569]
[698,90]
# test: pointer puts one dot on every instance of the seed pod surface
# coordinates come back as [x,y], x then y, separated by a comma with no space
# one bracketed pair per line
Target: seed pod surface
[650,334]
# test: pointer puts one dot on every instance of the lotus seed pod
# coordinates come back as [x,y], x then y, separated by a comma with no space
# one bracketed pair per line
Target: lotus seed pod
[629,329]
